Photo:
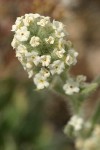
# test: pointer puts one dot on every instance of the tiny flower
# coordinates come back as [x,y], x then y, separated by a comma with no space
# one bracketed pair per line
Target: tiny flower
[57,67]
[71,57]
[14,43]
[22,49]
[15,27]
[19,55]
[40,81]
[22,34]
[44,72]
[17,24]
[59,34]
[71,87]
[61,43]
[36,15]
[33,57]
[43,22]
[81,78]
[45,60]
[50,40]
[30,73]
[76,122]
[59,53]
[69,60]
[35,41]
[29,65]
[58,25]
[28,19]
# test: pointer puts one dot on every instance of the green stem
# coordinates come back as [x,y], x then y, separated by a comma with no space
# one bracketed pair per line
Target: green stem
[96,116]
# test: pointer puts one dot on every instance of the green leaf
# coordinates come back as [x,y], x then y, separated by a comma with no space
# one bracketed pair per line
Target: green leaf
[89,89]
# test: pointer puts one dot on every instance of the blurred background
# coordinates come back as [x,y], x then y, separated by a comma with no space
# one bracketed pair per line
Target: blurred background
[31,120]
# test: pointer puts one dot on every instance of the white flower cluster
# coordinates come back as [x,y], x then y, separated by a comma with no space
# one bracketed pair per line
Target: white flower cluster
[41,48]
[73,86]
[91,143]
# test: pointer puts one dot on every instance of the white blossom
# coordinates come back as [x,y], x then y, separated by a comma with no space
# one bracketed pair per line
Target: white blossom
[30,73]
[29,65]
[14,43]
[19,55]
[81,78]
[17,24]
[71,87]
[76,122]
[45,60]
[58,25]
[28,19]
[57,67]
[73,52]
[44,72]
[36,15]
[50,40]
[22,34]
[43,22]
[59,34]
[69,60]
[35,41]
[33,57]
[40,81]
[71,57]
[59,53]
[61,43]
[22,49]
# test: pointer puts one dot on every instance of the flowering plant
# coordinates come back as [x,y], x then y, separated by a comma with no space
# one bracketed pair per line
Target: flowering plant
[47,56]
[41,48]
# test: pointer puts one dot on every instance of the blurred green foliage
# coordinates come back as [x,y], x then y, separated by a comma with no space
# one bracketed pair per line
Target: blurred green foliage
[23,119]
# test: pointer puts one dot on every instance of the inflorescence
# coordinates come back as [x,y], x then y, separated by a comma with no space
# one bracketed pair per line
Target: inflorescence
[42,49]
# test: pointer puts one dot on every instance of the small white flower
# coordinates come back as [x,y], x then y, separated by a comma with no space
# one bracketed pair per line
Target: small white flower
[17,24]
[76,122]
[30,73]
[18,20]
[59,53]
[22,34]
[58,25]
[36,15]
[19,55]
[57,67]
[33,57]
[14,43]
[44,72]
[29,65]
[15,27]
[28,19]
[50,40]
[81,78]
[45,60]
[71,57]
[43,22]
[22,49]
[46,18]
[61,43]
[71,87]
[59,34]
[69,60]
[73,52]
[40,81]
[35,41]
